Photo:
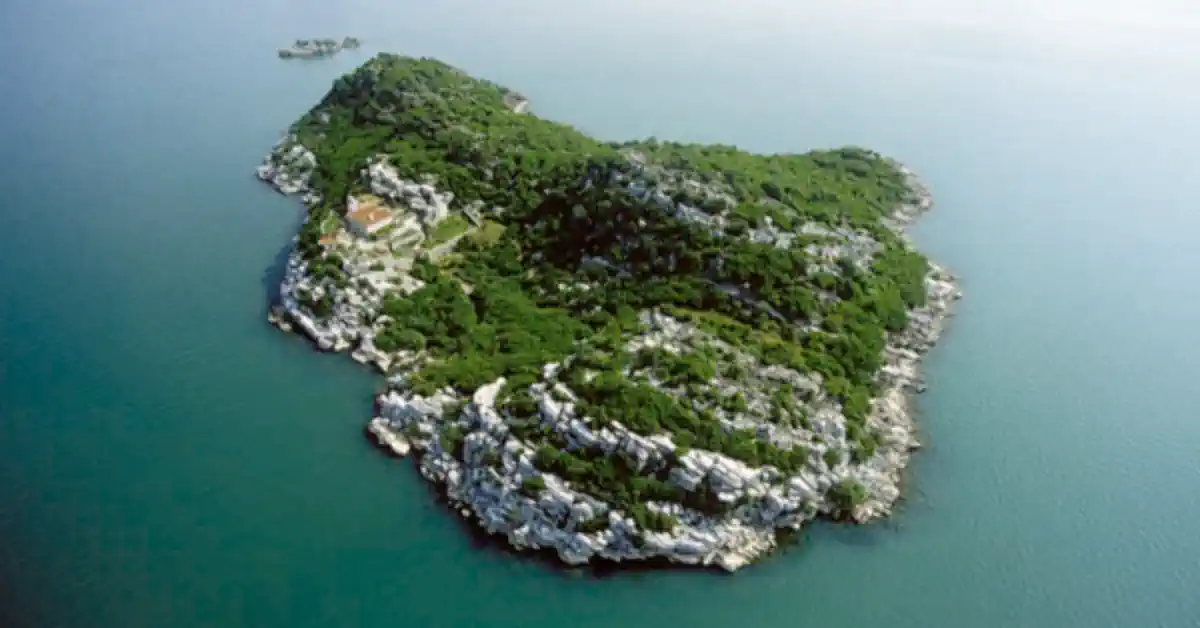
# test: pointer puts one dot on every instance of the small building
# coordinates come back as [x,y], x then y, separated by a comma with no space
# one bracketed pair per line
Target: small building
[367,215]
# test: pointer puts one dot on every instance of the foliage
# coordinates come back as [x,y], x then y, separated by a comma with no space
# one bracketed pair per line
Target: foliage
[489,233]
[451,439]
[526,289]
[611,478]
[447,229]
[847,495]
[651,520]
[534,484]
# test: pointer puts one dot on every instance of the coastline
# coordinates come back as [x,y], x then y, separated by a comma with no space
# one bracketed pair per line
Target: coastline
[894,409]
[405,423]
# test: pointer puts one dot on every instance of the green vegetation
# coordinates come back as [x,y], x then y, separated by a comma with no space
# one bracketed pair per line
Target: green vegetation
[449,228]
[611,478]
[496,331]
[329,223]
[489,233]
[452,439]
[848,495]
[534,485]
[536,295]
[645,410]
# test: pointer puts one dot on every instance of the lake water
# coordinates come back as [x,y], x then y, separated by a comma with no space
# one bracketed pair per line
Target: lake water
[168,459]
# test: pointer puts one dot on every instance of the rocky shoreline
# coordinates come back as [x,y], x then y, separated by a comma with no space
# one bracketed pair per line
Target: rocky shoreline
[488,474]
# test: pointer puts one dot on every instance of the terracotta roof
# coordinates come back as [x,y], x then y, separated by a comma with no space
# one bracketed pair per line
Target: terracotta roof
[369,212]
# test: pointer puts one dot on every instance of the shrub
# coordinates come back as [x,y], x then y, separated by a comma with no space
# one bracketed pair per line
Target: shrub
[410,339]
[500,306]
[452,440]
[652,520]
[865,447]
[848,495]
[534,484]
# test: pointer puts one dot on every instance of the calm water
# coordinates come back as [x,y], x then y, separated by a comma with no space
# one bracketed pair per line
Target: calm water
[167,459]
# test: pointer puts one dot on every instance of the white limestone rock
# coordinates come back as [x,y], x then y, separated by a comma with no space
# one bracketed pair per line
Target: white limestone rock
[388,437]
[488,476]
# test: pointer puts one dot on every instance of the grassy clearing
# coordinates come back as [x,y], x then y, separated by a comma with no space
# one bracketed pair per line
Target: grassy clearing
[329,224]
[449,228]
[488,234]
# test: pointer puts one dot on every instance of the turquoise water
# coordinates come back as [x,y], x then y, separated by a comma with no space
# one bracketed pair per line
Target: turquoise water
[167,459]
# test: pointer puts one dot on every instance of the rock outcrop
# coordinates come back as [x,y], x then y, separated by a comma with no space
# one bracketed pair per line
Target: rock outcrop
[289,167]
[490,479]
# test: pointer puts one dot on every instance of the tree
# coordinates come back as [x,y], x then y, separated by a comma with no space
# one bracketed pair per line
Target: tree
[508,306]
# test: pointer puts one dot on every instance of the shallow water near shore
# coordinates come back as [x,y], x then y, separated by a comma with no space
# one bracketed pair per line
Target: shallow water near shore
[168,459]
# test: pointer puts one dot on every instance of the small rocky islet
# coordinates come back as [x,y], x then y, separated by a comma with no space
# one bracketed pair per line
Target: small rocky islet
[613,351]
[314,48]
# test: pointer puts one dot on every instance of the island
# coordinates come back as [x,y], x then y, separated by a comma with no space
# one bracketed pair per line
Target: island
[313,48]
[636,351]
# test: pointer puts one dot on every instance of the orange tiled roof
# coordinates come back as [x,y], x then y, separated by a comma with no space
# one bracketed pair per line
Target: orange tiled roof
[369,212]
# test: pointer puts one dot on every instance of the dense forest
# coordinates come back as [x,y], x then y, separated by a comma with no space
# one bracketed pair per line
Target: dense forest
[590,241]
